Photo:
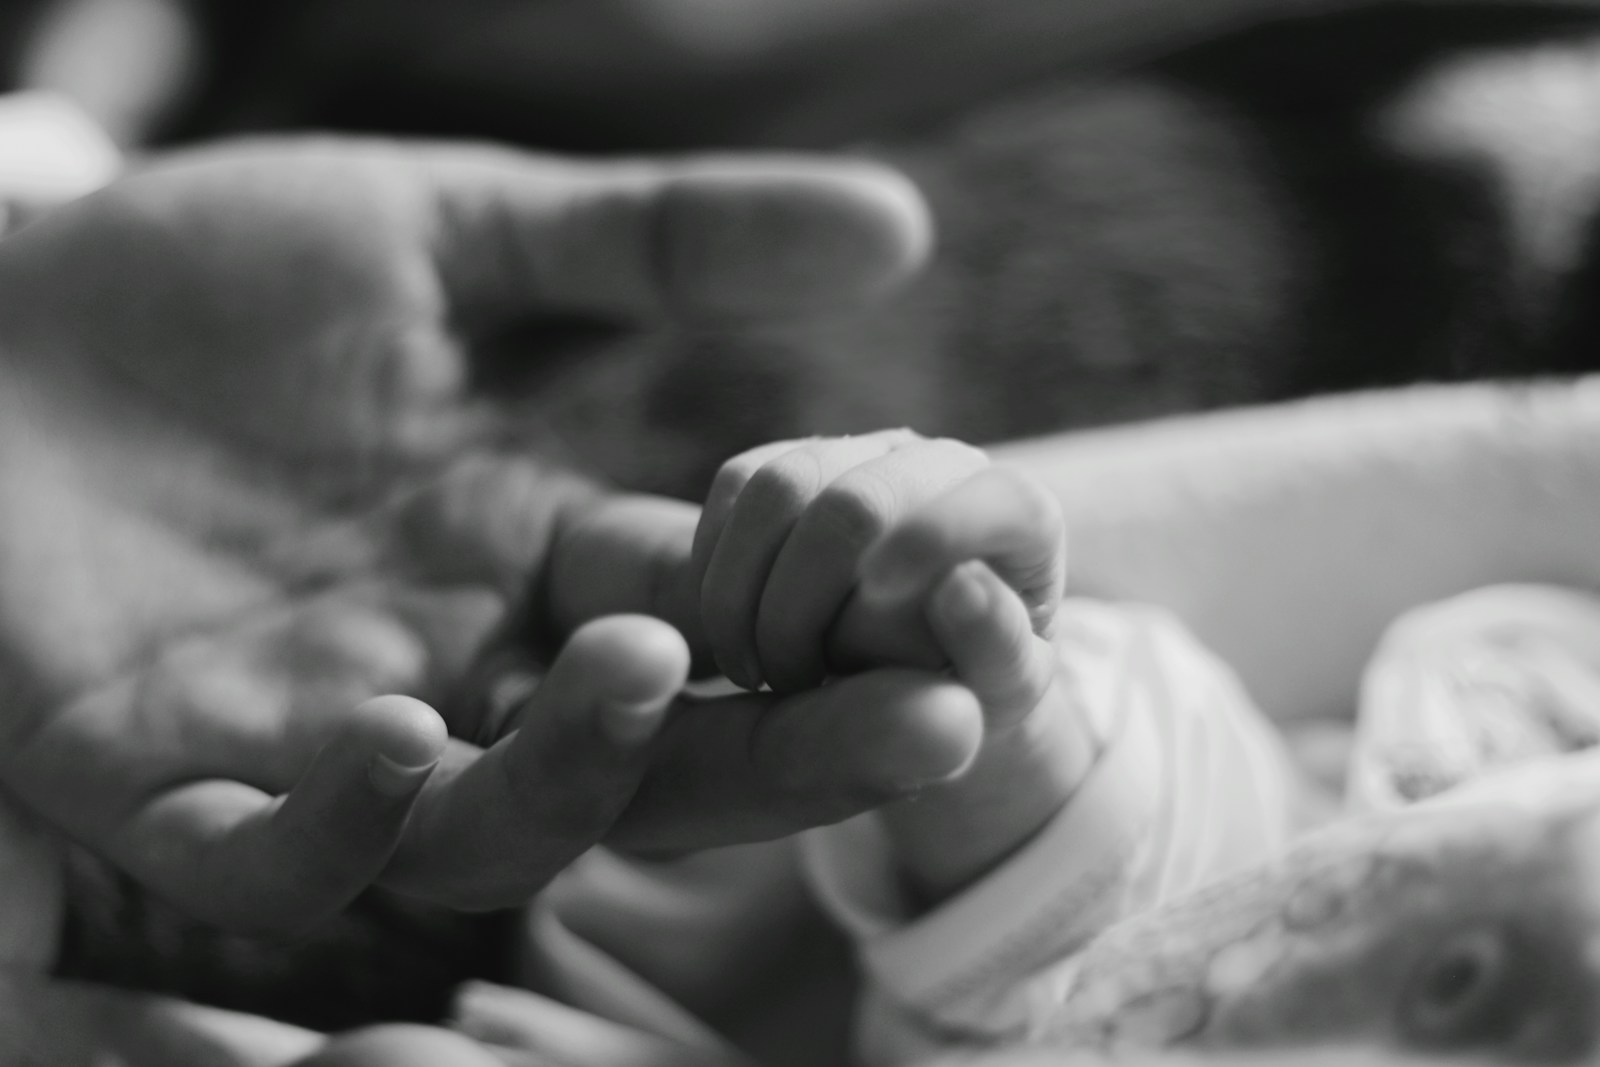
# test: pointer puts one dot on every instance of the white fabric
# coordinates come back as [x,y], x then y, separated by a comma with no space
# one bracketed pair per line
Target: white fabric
[1495,676]
[1193,784]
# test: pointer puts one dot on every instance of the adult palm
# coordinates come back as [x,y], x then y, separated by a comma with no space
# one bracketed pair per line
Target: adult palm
[250,478]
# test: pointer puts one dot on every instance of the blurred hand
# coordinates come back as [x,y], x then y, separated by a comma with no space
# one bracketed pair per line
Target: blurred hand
[252,478]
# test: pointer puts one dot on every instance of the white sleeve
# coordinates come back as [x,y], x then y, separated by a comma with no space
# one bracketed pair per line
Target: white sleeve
[1191,784]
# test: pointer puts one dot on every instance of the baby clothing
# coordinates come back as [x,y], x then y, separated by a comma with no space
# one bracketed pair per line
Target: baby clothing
[1192,783]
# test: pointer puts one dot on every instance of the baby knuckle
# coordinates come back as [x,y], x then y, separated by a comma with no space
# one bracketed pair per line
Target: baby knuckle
[1044,510]
[967,455]
[739,470]
[732,477]
[856,513]
[899,437]
[786,484]
[736,472]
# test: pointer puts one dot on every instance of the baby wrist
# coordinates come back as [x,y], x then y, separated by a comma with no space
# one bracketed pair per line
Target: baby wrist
[951,835]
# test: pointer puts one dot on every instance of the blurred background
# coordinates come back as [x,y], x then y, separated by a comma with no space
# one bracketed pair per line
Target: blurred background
[1144,206]
[604,74]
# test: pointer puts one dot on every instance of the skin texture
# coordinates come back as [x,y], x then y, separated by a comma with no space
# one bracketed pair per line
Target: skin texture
[816,558]
[782,349]
[252,491]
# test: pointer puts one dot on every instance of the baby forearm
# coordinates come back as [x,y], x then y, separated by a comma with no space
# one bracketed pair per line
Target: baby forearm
[951,835]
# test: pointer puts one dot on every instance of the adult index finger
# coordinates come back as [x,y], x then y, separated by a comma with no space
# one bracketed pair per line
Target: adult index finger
[493,828]
[709,238]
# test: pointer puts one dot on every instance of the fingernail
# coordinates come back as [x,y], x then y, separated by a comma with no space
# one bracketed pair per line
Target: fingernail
[744,672]
[963,597]
[941,748]
[910,783]
[394,779]
[630,725]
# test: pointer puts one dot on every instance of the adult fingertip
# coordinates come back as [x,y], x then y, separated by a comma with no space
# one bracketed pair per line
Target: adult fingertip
[402,1045]
[877,212]
[789,236]
[405,738]
[632,658]
[635,666]
[931,739]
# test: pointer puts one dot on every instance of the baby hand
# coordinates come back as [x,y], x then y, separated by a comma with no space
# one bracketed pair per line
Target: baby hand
[812,557]
[1037,748]
[821,556]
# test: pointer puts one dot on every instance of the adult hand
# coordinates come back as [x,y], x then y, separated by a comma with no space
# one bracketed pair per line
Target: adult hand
[497,1026]
[69,1024]
[72,1024]
[250,481]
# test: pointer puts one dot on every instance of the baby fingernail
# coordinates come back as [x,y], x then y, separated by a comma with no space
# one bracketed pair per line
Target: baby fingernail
[964,595]
[630,725]
[394,779]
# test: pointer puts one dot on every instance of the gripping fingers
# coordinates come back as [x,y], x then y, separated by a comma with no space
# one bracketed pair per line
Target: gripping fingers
[812,578]
[517,1019]
[984,629]
[408,1045]
[237,857]
[756,767]
[755,502]
[999,516]
[494,827]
